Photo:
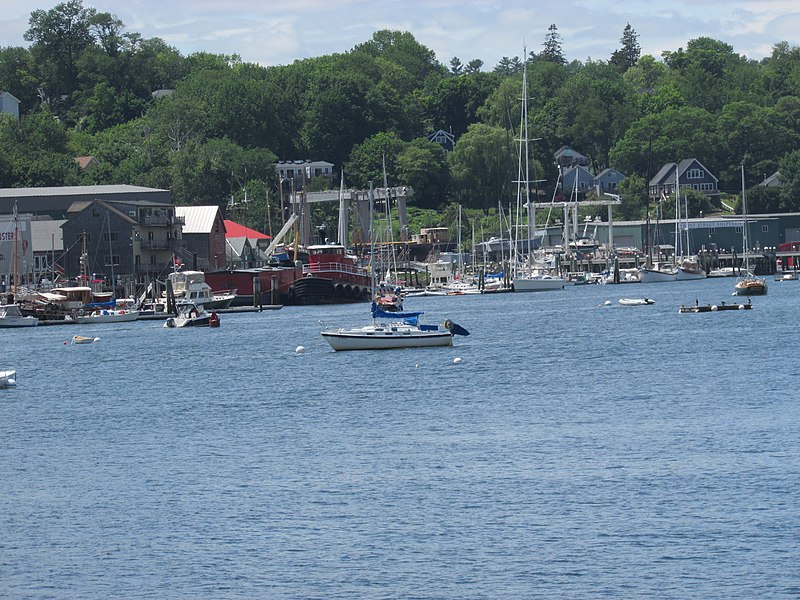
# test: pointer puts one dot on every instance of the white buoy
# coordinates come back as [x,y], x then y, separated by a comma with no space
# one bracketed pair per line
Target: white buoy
[607,303]
[457,360]
[741,307]
[714,307]
[299,350]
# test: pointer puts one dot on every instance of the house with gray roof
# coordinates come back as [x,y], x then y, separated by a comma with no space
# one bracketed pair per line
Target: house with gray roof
[689,174]
[577,178]
[567,157]
[608,180]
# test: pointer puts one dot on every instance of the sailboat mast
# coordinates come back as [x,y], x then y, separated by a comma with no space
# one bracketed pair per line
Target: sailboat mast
[372,238]
[677,216]
[744,227]
[16,248]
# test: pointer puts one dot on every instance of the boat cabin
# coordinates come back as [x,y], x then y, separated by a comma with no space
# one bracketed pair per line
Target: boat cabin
[75,297]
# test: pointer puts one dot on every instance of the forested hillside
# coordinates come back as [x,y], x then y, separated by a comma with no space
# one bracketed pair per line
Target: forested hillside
[86,86]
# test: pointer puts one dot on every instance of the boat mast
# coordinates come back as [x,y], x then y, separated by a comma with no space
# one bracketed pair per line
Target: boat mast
[522,167]
[16,248]
[372,238]
[744,227]
[677,217]
[111,255]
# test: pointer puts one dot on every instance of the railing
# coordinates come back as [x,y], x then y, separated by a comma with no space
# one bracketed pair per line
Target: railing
[334,267]
[159,220]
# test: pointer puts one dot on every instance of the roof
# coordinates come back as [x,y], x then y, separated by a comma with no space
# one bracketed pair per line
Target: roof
[235,230]
[9,95]
[568,151]
[199,219]
[75,190]
[773,180]
[609,171]
[84,161]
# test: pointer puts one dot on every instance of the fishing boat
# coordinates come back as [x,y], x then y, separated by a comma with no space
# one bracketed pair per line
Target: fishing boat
[748,284]
[391,330]
[191,287]
[8,379]
[636,301]
[389,300]
[190,315]
[11,316]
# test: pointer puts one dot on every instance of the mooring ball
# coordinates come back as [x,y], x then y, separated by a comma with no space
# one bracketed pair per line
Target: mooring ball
[457,360]
[299,350]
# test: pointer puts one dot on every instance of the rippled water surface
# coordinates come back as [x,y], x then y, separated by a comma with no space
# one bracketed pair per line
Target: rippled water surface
[578,450]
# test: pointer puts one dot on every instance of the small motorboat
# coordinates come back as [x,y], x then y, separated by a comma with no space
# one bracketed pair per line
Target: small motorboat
[82,339]
[8,379]
[636,301]
[190,315]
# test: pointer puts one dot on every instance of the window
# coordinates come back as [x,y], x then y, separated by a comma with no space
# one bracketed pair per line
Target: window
[739,229]
[765,229]
[152,259]
[112,260]
[110,236]
[694,174]
[711,231]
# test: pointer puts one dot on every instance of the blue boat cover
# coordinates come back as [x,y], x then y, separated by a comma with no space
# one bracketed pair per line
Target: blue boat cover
[377,313]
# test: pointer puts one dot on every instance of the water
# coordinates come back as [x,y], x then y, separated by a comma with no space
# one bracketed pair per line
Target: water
[579,450]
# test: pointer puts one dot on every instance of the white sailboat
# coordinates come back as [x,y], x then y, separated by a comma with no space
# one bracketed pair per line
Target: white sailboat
[748,284]
[390,330]
[528,277]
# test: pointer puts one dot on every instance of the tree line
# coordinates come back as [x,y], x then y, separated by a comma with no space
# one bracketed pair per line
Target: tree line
[216,125]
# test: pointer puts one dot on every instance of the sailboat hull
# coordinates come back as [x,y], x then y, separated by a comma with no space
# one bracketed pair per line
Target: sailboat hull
[386,338]
[750,287]
[655,275]
[544,283]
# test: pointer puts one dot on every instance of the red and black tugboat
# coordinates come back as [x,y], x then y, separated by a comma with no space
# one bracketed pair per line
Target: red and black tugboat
[330,277]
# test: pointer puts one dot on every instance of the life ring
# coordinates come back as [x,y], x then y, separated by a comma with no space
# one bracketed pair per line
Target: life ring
[80,312]
[448,324]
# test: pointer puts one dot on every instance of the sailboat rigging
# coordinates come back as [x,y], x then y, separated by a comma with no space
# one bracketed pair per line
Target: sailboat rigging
[748,284]
[530,279]
[405,331]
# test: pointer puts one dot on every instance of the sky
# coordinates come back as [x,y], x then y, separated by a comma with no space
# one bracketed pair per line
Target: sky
[270,32]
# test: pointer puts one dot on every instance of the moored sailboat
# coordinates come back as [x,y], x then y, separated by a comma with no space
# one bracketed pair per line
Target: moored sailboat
[528,277]
[390,330]
[748,284]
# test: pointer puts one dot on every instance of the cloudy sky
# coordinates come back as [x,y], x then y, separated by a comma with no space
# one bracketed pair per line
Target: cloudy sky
[270,32]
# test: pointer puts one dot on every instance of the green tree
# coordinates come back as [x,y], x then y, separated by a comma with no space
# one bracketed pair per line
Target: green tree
[551,48]
[59,36]
[790,181]
[423,166]
[18,76]
[627,56]
[481,166]
[366,161]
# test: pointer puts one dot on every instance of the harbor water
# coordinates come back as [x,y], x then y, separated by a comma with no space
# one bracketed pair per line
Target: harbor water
[579,449]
